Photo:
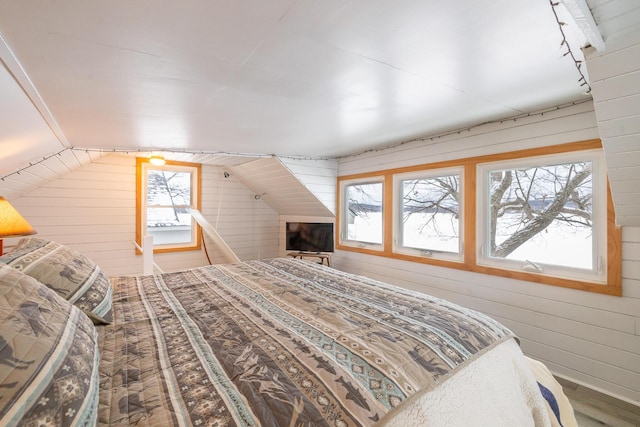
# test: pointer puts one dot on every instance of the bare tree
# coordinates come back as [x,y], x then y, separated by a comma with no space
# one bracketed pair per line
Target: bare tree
[535,198]
[431,196]
[523,202]
[362,199]
[169,186]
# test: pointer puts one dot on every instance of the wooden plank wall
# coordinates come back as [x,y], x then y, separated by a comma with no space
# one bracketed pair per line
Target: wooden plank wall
[274,183]
[615,82]
[92,209]
[318,176]
[43,170]
[589,338]
[248,225]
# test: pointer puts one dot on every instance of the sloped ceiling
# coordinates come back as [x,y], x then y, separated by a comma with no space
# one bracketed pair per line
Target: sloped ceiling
[44,170]
[50,167]
[615,80]
[245,80]
[24,135]
[268,177]
[279,188]
[284,77]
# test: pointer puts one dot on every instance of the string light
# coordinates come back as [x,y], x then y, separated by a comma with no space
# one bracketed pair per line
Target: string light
[577,62]
[45,158]
[128,150]
[311,158]
[466,129]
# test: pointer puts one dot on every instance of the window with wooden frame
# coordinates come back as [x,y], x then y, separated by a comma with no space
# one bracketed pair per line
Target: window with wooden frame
[428,208]
[165,196]
[363,213]
[543,215]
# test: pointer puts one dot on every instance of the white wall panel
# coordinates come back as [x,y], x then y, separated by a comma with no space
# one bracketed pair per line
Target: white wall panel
[590,338]
[554,127]
[285,191]
[92,209]
[319,176]
[44,170]
[615,82]
[249,226]
[615,18]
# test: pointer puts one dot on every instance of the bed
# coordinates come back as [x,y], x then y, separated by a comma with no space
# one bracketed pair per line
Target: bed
[276,342]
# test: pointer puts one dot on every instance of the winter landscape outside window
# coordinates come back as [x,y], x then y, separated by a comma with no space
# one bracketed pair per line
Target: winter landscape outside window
[364,214]
[543,215]
[167,193]
[428,206]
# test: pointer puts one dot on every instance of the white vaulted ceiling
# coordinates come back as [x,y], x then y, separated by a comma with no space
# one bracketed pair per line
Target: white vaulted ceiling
[237,80]
[286,77]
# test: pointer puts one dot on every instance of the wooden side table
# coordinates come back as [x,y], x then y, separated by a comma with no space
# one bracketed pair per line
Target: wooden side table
[324,258]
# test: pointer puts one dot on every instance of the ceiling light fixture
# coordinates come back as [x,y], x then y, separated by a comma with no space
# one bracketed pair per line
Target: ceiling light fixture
[157,160]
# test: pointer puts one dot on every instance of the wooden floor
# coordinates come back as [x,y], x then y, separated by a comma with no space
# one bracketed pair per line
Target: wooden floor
[604,409]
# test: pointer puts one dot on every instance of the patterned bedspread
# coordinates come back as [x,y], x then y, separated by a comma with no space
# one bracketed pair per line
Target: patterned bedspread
[278,342]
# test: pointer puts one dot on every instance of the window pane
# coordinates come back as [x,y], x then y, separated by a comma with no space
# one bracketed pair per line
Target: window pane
[168,188]
[364,212]
[430,213]
[542,214]
[169,225]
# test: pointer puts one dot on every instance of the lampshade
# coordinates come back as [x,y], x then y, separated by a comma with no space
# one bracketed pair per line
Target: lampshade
[12,224]
[157,159]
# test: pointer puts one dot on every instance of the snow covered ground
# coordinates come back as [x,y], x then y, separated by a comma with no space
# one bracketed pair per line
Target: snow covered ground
[556,245]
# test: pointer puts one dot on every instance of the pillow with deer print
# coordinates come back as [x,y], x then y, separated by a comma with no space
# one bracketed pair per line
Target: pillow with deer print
[48,356]
[72,275]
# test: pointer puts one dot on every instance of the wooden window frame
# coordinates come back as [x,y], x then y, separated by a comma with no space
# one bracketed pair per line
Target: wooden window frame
[613,285]
[342,232]
[140,205]
[598,249]
[398,207]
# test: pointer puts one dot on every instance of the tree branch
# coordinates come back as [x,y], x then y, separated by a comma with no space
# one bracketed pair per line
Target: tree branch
[543,220]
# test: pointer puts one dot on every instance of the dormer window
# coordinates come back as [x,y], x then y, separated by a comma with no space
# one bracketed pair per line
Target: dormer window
[166,194]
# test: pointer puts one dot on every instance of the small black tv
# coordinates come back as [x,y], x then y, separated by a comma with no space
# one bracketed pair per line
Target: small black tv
[314,237]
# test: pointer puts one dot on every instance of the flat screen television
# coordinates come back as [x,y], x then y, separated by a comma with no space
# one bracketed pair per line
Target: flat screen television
[312,237]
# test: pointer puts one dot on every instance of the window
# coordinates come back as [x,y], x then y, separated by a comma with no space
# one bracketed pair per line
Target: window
[165,196]
[428,213]
[545,215]
[363,214]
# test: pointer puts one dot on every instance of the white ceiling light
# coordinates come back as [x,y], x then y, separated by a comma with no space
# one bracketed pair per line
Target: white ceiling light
[579,10]
[157,160]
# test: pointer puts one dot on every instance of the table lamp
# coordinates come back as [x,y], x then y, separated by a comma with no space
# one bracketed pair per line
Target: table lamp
[12,224]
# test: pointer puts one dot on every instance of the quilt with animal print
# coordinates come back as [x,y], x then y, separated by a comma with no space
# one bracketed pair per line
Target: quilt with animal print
[279,342]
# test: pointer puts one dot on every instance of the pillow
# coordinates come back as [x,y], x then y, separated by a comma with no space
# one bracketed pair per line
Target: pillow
[72,275]
[48,356]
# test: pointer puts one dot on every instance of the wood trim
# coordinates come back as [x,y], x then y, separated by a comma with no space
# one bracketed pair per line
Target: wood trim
[388,215]
[614,247]
[198,243]
[614,234]
[139,162]
[469,216]
[338,221]
[591,144]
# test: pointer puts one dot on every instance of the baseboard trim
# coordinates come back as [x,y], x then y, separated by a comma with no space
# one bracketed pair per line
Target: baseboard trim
[600,406]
